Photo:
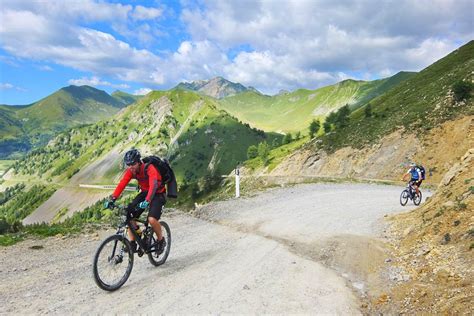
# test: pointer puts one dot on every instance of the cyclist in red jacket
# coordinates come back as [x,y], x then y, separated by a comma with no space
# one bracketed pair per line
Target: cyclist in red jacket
[152,194]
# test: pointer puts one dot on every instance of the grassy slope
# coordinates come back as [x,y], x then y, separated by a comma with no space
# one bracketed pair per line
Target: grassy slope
[294,111]
[9,124]
[125,98]
[4,165]
[419,103]
[67,107]
[33,125]
[379,87]
[209,133]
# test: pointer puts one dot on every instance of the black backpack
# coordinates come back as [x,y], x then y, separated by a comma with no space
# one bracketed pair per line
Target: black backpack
[167,174]
[422,170]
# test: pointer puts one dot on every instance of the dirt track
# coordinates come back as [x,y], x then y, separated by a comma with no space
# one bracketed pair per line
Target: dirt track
[303,249]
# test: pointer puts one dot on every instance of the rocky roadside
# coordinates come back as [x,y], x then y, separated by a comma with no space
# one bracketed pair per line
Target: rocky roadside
[433,250]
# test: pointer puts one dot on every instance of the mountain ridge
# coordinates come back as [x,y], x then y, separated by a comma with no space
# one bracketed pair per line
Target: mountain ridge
[28,126]
[293,111]
[217,87]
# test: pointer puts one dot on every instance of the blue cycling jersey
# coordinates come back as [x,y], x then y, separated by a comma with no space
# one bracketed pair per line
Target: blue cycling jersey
[415,173]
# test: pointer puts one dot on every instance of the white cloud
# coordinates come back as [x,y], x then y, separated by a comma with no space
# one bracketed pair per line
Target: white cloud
[45,68]
[142,13]
[268,44]
[26,35]
[9,86]
[195,60]
[84,10]
[142,91]
[310,41]
[271,73]
[131,22]
[6,86]
[8,60]
[95,81]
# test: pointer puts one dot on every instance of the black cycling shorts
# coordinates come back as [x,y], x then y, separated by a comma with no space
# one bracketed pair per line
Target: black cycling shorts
[416,182]
[156,205]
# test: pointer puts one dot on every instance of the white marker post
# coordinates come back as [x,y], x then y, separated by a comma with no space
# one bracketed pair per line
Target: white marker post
[237,183]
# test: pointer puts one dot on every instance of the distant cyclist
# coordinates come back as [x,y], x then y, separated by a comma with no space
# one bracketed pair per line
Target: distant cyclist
[416,176]
[152,194]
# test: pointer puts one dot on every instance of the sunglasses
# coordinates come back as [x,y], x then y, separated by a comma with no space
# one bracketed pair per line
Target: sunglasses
[132,164]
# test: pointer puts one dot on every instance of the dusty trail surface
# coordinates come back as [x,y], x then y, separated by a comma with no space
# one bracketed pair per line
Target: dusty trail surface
[277,252]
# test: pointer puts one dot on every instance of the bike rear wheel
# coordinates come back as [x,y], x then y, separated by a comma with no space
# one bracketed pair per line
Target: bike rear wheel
[156,258]
[113,263]
[404,197]
[417,198]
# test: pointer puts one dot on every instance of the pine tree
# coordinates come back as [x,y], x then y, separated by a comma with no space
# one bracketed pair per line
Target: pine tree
[263,152]
[314,127]
[368,110]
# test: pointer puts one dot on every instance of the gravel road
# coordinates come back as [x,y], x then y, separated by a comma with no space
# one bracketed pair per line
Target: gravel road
[281,251]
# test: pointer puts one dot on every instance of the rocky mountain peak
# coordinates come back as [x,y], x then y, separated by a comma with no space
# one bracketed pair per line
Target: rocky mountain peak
[217,87]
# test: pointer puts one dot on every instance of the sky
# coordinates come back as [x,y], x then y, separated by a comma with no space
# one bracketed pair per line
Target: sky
[138,46]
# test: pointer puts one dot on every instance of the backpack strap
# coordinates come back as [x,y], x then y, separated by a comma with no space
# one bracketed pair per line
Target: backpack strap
[146,170]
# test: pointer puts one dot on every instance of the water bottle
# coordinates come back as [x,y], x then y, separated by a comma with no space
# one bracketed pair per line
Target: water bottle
[139,230]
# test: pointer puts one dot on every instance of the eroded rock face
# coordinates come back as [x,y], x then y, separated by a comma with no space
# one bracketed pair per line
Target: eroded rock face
[381,161]
[388,159]
[458,168]
[433,243]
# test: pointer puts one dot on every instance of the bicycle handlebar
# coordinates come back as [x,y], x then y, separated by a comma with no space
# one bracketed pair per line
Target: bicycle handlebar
[122,210]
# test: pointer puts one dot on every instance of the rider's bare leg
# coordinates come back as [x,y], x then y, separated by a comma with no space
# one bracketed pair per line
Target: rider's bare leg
[416,189]
[156,227]
[130,235]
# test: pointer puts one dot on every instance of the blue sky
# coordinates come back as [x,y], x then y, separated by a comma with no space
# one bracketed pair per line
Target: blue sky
[135,46]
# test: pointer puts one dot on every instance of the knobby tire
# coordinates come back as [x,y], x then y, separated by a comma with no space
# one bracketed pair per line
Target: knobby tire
[112,261]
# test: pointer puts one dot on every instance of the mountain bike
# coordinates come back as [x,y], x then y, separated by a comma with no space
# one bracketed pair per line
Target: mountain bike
[113,260]
[410,193]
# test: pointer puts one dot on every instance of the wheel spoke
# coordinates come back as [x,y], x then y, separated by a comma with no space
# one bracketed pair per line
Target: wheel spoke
[112,264]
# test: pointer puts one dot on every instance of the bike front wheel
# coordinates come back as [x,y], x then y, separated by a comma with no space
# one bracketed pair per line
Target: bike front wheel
[156,258]
[113,263]
[404,197]
[417,198]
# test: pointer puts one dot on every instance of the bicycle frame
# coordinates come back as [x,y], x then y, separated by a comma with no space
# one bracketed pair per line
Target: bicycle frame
[126,225]
[411,189]
[121,256]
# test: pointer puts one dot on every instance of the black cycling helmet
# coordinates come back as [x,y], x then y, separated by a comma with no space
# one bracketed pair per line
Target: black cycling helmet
[132,156]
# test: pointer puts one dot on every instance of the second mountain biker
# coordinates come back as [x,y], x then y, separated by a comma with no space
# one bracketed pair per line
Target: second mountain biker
[415,177]
[152,194]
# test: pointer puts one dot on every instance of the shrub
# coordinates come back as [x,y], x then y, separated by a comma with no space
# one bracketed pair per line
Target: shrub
[263,152]
[462,90]
[287,139]
[368,110]
[314,127]
[252,152]
[327,127]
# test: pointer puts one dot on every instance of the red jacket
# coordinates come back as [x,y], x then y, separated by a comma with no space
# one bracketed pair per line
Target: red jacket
[151,181]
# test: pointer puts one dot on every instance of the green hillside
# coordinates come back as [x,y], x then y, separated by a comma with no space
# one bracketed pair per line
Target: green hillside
[381,86]
[125,98]
[198,138]
[294,111]
[67,107]
[25,127]
[9,124]
[419,103]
